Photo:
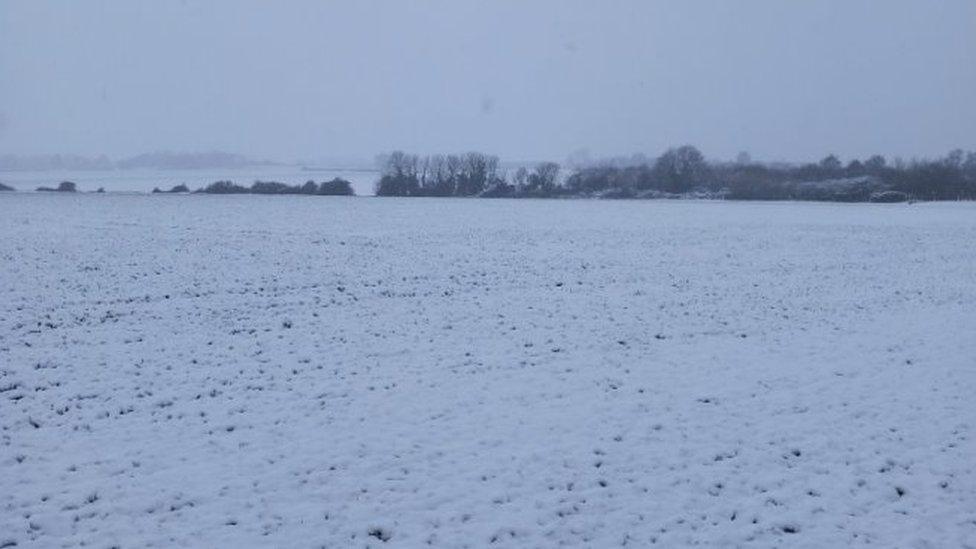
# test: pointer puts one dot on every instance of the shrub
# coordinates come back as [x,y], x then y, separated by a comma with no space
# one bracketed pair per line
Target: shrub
[499,190]
[623,192]
[398,185]
[64,187]
[309,188]
[889,197]
[272,187]
[336,187]
[224,187]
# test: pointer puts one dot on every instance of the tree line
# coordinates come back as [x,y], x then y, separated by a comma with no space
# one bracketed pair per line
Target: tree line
[678,172]
[469,174]
[684,171]
[336,187]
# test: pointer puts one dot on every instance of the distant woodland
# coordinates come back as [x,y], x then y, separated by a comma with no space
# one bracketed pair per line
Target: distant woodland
[684,172]
[680,172]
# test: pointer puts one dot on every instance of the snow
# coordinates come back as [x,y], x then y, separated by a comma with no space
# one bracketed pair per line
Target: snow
[247,371]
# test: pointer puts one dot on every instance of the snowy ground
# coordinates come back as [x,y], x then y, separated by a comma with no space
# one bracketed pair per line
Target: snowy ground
[254,371]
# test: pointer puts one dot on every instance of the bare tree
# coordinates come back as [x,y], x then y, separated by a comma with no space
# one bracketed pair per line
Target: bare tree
[875,164]
[680,169]
[545,177]
[831,163]
[521,179]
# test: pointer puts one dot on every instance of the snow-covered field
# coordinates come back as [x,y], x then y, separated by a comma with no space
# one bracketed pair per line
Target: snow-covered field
[251,371]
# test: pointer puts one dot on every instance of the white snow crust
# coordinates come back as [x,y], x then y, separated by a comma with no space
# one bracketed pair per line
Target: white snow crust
[247,371]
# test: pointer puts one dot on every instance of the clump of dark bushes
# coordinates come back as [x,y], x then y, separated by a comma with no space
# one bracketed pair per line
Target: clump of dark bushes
[174,190]
[224,187]
[64,187]
[5,188]
[335,187]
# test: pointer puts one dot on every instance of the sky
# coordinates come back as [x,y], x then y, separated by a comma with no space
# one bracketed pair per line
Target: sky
[526,80]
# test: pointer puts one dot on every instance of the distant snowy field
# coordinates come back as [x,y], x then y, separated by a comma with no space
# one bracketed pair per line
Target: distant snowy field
[247,371]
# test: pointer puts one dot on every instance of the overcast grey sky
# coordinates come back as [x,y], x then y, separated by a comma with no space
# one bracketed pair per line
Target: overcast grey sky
[523,79]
